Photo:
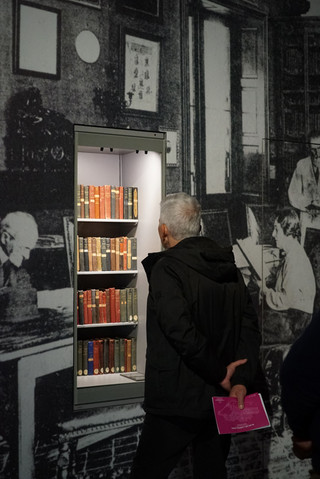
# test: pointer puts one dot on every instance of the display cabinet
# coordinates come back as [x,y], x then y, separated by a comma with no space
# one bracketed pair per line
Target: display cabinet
[119,183]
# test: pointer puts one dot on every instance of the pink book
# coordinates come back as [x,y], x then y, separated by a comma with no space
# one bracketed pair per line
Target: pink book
[230,419]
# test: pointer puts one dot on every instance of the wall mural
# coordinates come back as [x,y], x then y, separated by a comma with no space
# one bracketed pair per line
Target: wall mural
[40,433]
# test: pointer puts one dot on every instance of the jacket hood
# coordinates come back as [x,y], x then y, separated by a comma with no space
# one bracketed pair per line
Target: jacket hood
[201,254]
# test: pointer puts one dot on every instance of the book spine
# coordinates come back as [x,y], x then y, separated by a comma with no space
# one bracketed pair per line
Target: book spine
[79,190]
[91,202]
[134,262]
[130,202]
[117,304]
[93,306]
[106,356]
[101,357]
[96,357]
[113,202]
[89,306]
[129,263]
[81,306]
[112,254]
[103,253]
[108,254]
[85,307]
[90,252]
[122,355]
[97,301]
[111,355]
[135,203]
[96,202]
[108,316]
[86,202]
[85,357]
[129,304]
[86,254]
[90,358]
[128,365]
[99,260]
[102,206]
[120,202]
[125,253]
[108,201]
[116,355]
[123,305]
[79,358]
[81,253]
[125,202]
[112,305]
[135,304]
[117,267]
[117,206]
[103,306]
[94,254]
[134,354]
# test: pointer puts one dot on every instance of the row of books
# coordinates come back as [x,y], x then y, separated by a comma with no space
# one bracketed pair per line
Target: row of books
[107,254]
[109,305]
[106,356]
[107,201]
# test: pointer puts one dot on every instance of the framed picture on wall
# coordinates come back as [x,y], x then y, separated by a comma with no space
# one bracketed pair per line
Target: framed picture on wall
[172,152]
[150,9]
[87,3]
[141,73]
[37,40]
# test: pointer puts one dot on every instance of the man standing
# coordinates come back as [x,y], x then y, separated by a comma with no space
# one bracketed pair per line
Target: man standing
[202,340]
[304,188]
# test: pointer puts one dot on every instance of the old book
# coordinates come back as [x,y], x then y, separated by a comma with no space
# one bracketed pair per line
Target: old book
[86,202]
[121,241]
[125,253]
[96,202]
[90,253]
[94,254]
[112,305]
[113,202]
[125,202]
[129,263]
[81,307]
[78,254]
[101,358]
[85,357]
[133,354]
[123,305]
[108,314]
[81,254]
[86,254]
[135,202]
[97,301]
[108,201]
[102,207]
[116,355]
[103,253]
[117,207]
[129,304]
[128,355]
[117,254]
[120,202]
[134,262]
[102,307]
[135,304]
[96,357]
[99,260]
[105,346]
[80,201]
[111,355]
[112,254]
[79,358]
[117,305]
[90,357]
[130,199]
[93,306]
[89,305]
[108,254]
[122,354]
[85,307]
[91,202]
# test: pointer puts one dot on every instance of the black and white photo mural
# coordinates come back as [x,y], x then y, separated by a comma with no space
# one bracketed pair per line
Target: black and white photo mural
[236,86]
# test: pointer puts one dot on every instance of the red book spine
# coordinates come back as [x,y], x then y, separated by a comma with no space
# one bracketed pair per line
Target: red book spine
[89,306]
[117,303]
[96,202]
[102,208]
[85,308]
[96,357]
[112,305]
[101,307]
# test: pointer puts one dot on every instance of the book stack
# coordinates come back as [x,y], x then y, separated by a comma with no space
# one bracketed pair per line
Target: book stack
[106,356]
[109,305]
[106,254]
[107,202]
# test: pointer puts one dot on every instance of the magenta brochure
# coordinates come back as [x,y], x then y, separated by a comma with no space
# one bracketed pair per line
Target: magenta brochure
[230,419]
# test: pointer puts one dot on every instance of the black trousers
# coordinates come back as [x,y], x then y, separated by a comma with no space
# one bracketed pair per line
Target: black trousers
[165,438]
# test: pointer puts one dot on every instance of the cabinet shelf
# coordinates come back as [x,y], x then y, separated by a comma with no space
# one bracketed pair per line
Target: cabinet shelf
[132,324]
[106,220]
[90,273]
[104,379]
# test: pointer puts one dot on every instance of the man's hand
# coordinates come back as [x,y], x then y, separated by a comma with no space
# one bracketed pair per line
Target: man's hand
[239,391]
[230,372]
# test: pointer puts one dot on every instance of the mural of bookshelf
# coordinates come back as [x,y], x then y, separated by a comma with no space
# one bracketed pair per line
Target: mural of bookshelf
[119,183]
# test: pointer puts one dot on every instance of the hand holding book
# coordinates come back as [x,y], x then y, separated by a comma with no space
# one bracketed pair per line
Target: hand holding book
[238,391]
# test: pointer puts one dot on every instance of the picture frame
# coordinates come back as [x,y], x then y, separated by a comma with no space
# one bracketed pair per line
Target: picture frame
[37,40]
[141,73]
[148,9]
[87,3]
[173,150]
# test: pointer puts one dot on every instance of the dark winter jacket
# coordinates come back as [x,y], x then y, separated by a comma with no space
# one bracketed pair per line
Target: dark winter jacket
[199,319]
